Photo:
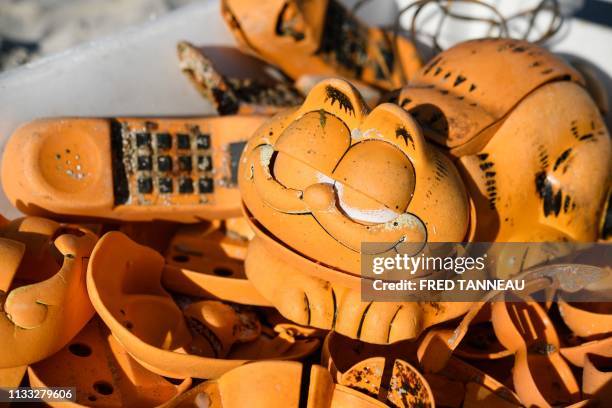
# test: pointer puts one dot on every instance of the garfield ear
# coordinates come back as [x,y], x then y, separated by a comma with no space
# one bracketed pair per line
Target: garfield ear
[396,126]
[339,98]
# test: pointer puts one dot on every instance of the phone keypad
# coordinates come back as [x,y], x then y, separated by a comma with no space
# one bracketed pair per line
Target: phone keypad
[161,165]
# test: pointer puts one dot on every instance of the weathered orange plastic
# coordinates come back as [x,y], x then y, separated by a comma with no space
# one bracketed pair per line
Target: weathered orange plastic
[43,299]
[124,284]
[320,37]
[588,319]
[438,345]
[341,354]
[541,377]
[278,384]
[103,373]
[372,96]
[156,234]
[481,389]
[11,377]
[597,379]
[310,194]
[102,168]
[525,134]
[252,89]
[347,359]
[576,354]
[205,261]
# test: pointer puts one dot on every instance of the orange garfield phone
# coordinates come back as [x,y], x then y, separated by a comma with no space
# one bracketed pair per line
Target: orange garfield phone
[132,169]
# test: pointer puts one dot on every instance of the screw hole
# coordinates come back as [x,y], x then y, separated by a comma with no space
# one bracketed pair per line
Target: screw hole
[220,271]
[103,387]
[80,349]
[128,325]
[180,258]
[92,398]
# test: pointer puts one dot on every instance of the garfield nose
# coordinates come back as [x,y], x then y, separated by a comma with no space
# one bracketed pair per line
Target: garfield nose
[320,196]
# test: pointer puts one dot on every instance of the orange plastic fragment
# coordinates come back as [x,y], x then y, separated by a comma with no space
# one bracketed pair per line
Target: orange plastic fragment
[163,338]
[103,373]
[320,37]
[43,301]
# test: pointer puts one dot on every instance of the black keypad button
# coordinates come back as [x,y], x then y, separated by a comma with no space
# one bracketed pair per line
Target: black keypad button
[163,141]
[182,141]
[203,141]
[204,163]
[185,185]
[145,185]
[165,185]
[144,163]
[205,184]
[184,163]
[164,163]
[143,139]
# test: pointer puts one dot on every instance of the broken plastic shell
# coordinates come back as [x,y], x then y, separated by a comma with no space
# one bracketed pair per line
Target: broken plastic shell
[202,260]
[144,318]
[481,389]
[320,37]
[469,100]
[46,303]
[11,377]
[340,353]
[541,376]
[103,373]
[597,378]
[129,169]
[586,319]
[406,386]
[252,89]
[469,87]
[576,354]
[221,326]
[305,178]
[279,384]
[471,339]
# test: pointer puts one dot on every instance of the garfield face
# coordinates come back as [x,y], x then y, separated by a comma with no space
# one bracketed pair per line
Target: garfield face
[328,176]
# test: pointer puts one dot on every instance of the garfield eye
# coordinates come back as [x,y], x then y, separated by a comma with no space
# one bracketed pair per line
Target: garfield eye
[379,171]
[295,174]
[309,149]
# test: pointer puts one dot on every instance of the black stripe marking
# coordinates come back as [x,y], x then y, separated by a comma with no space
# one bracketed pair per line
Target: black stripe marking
[460,79]
[562,157]
[121,188]
[391,323]
[333,326]
[363,316]
[307,304]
